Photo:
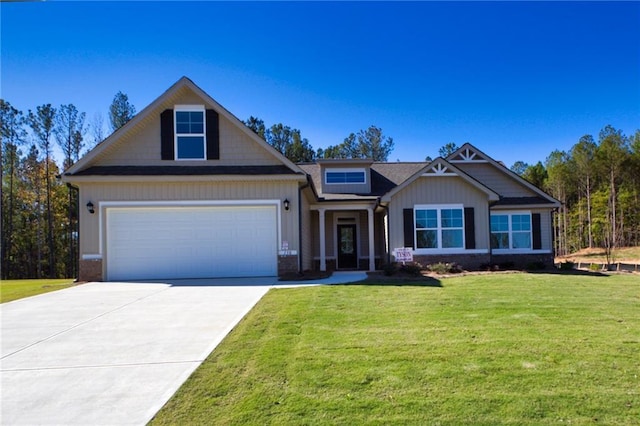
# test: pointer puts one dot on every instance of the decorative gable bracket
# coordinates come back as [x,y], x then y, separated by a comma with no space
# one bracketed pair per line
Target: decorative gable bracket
[467,155]
[439,169]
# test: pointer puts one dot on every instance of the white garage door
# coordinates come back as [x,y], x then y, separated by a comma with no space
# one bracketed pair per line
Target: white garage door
[191,242]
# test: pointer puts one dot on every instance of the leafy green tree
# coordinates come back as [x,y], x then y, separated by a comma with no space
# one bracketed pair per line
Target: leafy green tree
[447,149]
[257,125]
[370,143]
[536,174]
[612,152]
[120,111]
[583,155]
[42,124]
[12,134]
[519,167]
[70,133]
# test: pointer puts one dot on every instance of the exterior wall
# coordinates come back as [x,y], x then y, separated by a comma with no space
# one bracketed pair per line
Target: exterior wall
[546,224]
[439,190]
[523,261]
[352,188]
[287,264]
[495,179]
[90,226]
[141,147]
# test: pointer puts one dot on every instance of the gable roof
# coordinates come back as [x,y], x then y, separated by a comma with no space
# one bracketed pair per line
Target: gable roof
[140,118]
[440,167]
[468,153]
[384,177]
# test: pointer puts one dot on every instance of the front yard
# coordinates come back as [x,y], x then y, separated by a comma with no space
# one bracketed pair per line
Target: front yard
[17,289]
[484,349]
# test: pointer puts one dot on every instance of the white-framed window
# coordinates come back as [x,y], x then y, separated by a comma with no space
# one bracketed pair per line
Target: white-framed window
[345,176]
[190,131]
[511,231]
[439,226]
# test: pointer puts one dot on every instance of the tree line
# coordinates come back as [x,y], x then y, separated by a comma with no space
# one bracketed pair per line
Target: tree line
[598,183]
[39,237]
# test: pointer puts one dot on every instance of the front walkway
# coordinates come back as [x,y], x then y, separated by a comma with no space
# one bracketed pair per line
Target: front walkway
[114,353]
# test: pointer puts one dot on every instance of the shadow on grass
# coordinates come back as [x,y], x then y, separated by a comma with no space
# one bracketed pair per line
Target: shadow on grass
[578,272]
[377,279]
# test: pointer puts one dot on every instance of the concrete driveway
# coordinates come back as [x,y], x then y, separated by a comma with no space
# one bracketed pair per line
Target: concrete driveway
[114,353]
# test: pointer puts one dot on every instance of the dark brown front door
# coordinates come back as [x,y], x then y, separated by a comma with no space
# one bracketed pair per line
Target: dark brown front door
[347,247]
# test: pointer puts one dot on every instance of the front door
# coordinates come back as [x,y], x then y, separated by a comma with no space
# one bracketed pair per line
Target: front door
[347,247]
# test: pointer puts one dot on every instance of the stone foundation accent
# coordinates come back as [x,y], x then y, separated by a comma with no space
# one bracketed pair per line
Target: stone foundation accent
[287,264]
[466,261]
[90,270]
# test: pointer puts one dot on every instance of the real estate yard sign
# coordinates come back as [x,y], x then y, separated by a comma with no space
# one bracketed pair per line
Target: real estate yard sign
[404,254]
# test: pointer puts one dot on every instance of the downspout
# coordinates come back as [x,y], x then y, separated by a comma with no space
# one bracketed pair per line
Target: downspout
[75,253]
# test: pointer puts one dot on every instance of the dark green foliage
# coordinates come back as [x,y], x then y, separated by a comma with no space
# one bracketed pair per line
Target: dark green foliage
[120,111]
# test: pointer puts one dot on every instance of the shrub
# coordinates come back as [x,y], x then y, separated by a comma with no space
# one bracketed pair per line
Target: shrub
[390,269]
[414,269]
[505,266]
[567,266]
[594,267]
[444,268]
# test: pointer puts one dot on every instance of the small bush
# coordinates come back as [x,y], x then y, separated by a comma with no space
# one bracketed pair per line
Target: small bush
[390,269]
[444,268]
[413,269]
[505,266]
[567,266]
[594,267]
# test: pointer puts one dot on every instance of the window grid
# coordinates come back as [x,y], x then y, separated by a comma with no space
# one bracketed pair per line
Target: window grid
[439,228]
[190,135]
[511,231]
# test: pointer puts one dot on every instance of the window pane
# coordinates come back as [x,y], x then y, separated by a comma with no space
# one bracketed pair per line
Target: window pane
[451,218]
[355,177]
[426,239]
[421,218]
[452,238]
[521,222]
[499,223]
[335,177]
[191,147]
[500,240]
[432,218]
[521,240]
[189,122]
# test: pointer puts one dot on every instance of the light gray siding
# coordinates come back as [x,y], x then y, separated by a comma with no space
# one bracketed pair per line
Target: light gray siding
[439,190]
[186,191]
[495,179]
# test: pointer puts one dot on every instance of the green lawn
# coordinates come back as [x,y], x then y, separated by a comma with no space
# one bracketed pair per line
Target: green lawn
[17,289]
[519,349]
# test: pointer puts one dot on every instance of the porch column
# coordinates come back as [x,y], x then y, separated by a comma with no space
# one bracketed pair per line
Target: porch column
[372,251]
[323,254]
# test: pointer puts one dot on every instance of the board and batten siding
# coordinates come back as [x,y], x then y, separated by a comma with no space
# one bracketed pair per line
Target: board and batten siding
[142,147]
[187,191]
[495,179]
[439,190]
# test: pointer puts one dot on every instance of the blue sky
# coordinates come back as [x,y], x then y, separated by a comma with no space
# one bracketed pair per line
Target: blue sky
[517,80]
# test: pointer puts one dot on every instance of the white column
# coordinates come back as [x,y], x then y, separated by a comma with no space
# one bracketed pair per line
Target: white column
[372,251]
[323,249]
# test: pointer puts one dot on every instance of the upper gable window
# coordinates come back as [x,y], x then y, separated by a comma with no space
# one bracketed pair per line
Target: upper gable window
[190,133]
[345,176]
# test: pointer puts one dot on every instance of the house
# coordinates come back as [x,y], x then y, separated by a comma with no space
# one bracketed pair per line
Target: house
[186,190]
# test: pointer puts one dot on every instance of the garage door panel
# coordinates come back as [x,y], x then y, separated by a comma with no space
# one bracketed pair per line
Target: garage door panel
[191,242]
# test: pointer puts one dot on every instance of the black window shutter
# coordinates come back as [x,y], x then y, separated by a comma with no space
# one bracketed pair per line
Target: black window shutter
[213,136]
[166,135]
[407,215]
[537,234]
[469,228]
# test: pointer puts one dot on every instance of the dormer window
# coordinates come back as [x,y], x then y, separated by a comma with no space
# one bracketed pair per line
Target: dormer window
[190,132]
[345,176]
